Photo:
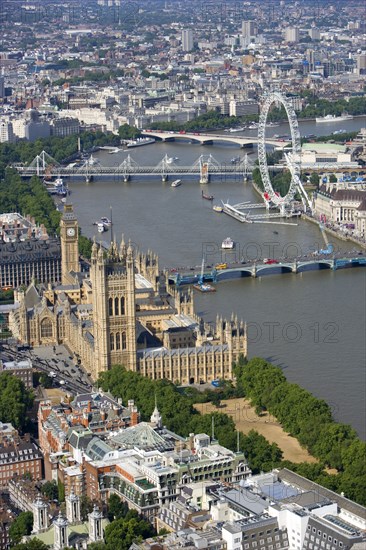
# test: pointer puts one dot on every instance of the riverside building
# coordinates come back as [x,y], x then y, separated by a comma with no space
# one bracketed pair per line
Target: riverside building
[123,313]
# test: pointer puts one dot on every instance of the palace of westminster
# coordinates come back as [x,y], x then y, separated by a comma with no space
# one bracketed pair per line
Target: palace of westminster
[122,312]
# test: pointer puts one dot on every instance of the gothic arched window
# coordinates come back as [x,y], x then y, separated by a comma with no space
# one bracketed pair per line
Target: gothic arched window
[110,306]
[122,305]
[116,306]
[118,340]
[111,341]
[46,329]
[124,340]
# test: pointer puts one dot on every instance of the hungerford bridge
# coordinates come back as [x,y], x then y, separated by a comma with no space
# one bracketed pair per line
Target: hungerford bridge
[45,166]
[258,268]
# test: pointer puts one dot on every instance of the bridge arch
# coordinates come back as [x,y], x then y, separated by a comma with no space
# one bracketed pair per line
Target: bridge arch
[227,274]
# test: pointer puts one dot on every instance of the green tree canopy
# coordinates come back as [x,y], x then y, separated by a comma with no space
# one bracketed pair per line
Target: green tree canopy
[14,400]
[21,526]
[128,132]
[50,490]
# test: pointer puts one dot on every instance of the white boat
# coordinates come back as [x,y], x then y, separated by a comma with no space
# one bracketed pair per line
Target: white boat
[105,221]
[232,130]
[101,227]
[59,182]
[217,208]
[227,244]
[333,118]
[176,183]
[235,159]
[91,161]
[116,150]
[140,141]
[171,159]
[204,287]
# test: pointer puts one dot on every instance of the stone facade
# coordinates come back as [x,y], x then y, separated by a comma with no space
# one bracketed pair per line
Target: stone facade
[123,313]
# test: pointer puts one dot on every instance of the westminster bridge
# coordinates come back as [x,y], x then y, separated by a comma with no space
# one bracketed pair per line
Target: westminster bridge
[259,268]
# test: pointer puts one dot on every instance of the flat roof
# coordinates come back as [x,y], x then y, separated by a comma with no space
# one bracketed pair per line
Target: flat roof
[320,147]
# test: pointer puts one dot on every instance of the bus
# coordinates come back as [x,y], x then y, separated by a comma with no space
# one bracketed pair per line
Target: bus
[221,266]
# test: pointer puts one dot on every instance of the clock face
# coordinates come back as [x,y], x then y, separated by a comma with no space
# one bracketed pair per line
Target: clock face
[71,232]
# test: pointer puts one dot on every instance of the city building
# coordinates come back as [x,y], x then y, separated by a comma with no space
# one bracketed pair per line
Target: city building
[22,262]
[6,519]
[116,314]
[19,458]
[243,108]
[14,228]
[317,155]
[292,34]
[23,493]
[341,205]
[6,132]
[69,427]
[21,369]
[249,29]
[7,431]
[187,40]
[152,463]
[60,531]
[62,127]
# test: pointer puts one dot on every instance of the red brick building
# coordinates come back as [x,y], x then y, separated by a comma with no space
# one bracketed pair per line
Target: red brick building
[19,458]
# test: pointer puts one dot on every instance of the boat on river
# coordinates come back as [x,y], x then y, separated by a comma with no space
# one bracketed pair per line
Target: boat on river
[176,183]
[207,197]
[140,141]
[204,287]
[227,244]
[334,118]
[217,208]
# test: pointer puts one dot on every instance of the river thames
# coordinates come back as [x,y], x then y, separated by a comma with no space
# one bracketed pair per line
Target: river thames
[312,324]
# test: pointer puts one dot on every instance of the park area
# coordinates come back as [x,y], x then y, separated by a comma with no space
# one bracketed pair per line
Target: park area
[246,419]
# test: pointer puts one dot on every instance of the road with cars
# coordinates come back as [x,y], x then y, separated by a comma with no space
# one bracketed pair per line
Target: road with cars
[56,361]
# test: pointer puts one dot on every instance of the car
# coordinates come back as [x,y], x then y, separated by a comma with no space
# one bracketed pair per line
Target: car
[62,382]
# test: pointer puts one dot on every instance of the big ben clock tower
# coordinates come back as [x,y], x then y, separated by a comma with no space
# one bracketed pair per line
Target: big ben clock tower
[69,244]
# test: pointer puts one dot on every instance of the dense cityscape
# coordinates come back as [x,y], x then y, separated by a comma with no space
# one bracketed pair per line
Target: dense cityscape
[133,412]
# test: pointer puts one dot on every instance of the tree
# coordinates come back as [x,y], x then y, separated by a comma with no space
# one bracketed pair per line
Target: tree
[116,508]
[33,544]
[14,400]
[86,506]
[21,526]
[85,246]
[50,490]
[60,491]
[121,533]
[128,132]
[314,179]
[45,380]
